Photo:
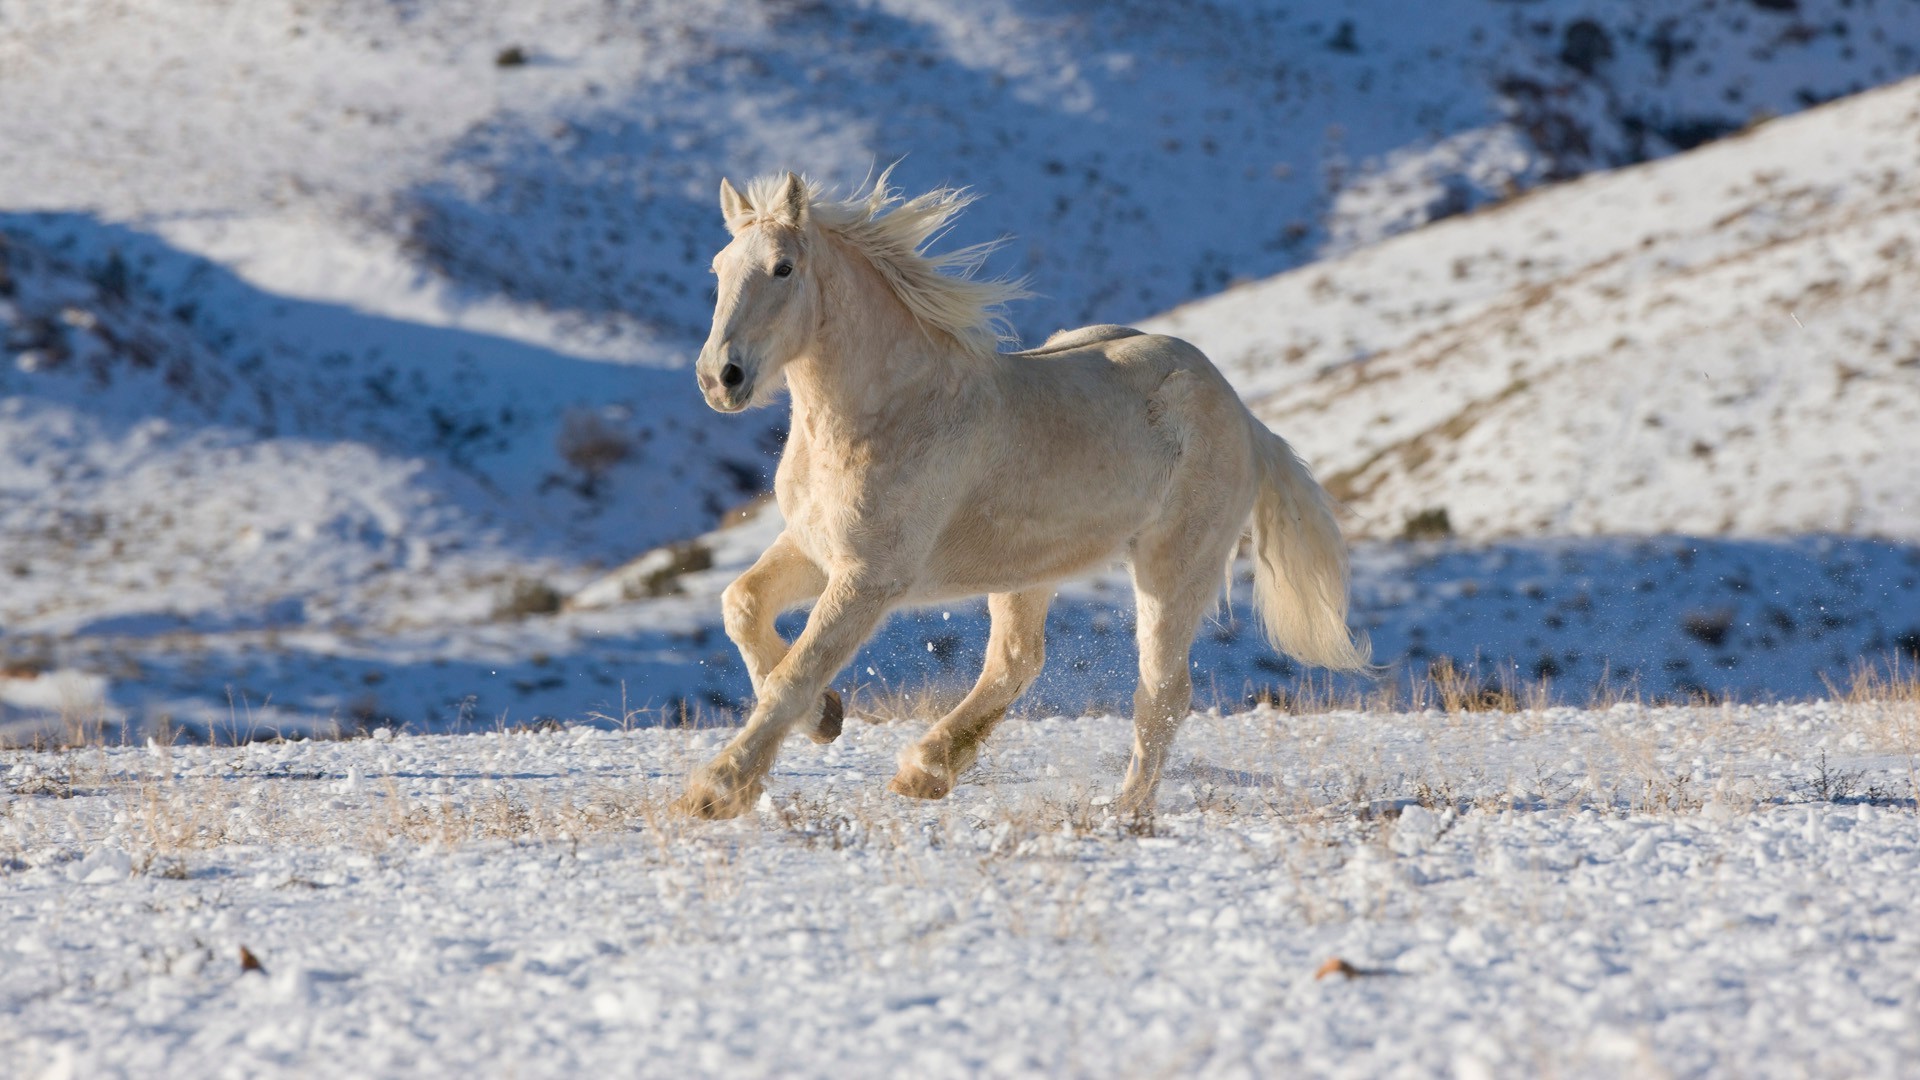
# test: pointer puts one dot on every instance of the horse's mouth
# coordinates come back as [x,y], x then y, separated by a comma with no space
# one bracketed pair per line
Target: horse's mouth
[732,400]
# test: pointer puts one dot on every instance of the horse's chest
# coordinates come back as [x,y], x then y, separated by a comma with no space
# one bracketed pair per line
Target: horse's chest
[825,499]
[809,522]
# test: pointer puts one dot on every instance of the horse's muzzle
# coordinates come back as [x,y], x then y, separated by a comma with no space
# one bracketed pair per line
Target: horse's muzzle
[730,390]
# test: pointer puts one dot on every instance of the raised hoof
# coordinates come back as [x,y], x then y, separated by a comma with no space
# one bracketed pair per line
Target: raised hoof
[833,716]
[917,783]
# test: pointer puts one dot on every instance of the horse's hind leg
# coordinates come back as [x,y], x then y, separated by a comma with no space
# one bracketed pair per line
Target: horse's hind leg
[1016,651]
[779,579]
[1175,579]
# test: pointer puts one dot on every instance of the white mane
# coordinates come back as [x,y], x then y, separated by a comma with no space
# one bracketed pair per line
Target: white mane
[939,290]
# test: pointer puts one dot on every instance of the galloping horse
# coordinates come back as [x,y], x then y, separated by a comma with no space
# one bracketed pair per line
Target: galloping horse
[922,465]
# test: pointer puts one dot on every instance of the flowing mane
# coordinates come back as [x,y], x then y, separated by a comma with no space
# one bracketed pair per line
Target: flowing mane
[892,233]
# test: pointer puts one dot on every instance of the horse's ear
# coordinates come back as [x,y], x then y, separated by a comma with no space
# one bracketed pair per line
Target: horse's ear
[733,207]
[792,202]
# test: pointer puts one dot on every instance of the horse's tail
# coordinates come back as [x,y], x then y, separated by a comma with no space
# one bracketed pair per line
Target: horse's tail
[1300,562]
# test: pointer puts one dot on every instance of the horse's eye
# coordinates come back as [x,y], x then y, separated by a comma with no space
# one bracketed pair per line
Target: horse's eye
[783,270]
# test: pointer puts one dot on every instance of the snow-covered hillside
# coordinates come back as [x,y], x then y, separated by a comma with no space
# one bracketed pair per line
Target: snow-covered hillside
[563,156]
[246,452]
[342,341]
[1722,342]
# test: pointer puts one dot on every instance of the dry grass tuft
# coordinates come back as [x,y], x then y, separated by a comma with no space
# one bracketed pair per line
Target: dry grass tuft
[1895,682]
[921,702]
[1464,691]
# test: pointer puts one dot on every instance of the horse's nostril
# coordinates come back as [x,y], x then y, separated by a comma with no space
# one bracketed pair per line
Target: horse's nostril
[732,376]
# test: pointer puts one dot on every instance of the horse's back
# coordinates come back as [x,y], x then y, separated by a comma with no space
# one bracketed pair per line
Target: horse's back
[1119,389]
[1067,340]
[1121,358]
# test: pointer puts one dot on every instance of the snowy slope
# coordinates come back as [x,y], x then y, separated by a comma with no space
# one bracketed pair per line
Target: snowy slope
[1141,159]
[244,451]
[342,340]
[337,350]
[1660,618]
[1722,342]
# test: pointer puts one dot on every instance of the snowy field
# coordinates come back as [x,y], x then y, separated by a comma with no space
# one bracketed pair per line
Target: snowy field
[1686,892]
[343,358]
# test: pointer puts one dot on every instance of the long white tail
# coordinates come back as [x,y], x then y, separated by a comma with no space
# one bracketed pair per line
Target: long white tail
[1300,562]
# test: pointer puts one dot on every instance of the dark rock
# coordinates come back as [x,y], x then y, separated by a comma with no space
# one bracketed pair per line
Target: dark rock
[1585,46]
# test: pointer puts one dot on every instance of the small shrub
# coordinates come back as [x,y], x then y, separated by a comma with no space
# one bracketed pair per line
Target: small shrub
[57,785]
[523,597]
[24,667]
[592,445]
[1708,627]
[686,557]
[1585,46]
[1828,784]
[1429,524]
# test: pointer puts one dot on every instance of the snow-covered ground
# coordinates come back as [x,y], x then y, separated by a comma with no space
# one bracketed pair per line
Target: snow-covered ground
[1631,891]
[341,345]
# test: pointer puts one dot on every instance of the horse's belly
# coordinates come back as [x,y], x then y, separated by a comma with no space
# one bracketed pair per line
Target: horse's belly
[984,551]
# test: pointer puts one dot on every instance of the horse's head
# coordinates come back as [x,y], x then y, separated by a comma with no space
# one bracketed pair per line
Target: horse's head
[764,313]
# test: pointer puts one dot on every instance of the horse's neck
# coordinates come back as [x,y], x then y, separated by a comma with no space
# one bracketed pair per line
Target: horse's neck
[870,360]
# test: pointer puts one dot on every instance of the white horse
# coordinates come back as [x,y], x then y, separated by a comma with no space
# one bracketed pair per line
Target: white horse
[923,465]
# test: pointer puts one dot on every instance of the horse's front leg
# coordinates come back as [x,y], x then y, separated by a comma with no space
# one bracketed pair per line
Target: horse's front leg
[781,578]
[848,610]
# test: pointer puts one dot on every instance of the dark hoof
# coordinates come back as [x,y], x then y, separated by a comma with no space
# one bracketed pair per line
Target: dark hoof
[833,715]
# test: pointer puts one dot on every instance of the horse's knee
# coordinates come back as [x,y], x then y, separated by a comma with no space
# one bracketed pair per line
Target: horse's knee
[739,609]
[1024,666]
